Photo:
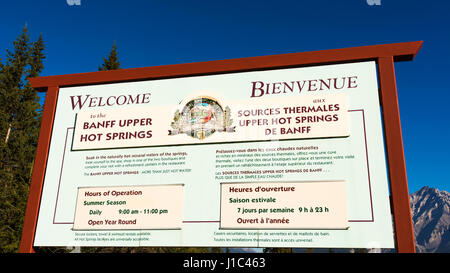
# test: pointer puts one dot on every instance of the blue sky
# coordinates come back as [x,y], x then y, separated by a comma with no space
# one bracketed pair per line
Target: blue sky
[150,33]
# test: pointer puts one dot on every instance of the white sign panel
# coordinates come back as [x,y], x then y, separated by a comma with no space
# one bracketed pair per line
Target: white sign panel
[315,129]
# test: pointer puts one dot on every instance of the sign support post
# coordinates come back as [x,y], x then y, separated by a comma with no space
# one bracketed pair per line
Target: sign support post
[395,156]
[37,179]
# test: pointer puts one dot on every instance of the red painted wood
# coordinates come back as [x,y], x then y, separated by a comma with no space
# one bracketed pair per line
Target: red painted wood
[37,179]
[396,160]
[400,51]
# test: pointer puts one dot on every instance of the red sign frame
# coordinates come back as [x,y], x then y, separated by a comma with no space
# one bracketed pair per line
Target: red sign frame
[385,55]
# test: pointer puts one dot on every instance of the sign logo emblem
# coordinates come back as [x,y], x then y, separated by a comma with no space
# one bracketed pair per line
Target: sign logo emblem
[202,117]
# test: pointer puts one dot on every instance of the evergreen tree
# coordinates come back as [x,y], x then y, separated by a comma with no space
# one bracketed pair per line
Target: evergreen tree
[19,129]
[36,57]
[112,62]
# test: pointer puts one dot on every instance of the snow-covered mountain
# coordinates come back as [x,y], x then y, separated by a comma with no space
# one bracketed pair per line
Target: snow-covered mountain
[431,218]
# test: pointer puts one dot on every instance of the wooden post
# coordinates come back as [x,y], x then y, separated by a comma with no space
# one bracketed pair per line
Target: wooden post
[37,179]
[395,156]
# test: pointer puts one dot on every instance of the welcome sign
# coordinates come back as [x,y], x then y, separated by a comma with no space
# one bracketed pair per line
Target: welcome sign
[278,157]
[290,128]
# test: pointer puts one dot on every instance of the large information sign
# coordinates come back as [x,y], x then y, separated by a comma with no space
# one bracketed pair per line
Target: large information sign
[289,157]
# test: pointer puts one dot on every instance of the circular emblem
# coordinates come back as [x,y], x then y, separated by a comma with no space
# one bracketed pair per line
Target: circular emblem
[203,115]
[200,118]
